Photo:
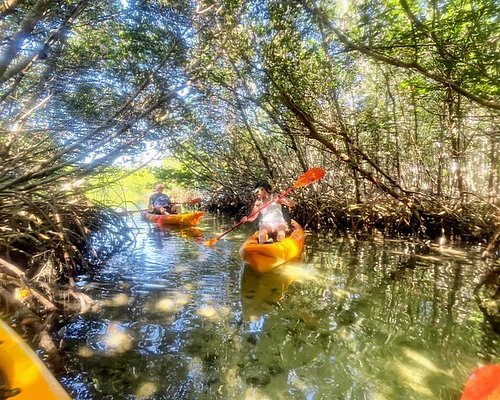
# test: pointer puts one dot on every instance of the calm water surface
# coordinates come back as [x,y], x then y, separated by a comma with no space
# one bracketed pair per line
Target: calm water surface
[371,319]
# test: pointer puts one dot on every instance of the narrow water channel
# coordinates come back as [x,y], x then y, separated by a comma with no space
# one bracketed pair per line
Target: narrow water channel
[370,319]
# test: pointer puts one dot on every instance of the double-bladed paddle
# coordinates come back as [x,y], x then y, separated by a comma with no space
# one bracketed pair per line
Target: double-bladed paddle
[312,175]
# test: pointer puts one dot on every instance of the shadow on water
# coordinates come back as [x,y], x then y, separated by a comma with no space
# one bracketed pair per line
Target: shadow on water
[174,319]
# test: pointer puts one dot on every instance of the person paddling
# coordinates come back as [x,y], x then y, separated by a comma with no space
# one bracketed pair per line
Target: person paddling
[271,220]
[160,203]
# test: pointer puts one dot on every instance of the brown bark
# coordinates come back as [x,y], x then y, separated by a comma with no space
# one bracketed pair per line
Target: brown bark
[17,40]
[314,134]
[27,317]
[7,6]
[255,141]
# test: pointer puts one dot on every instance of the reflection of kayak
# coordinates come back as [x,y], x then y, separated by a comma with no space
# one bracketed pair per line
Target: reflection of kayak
[184,231]
[259,292]
[264,257]
[483,384]
[23,371]
[185,219]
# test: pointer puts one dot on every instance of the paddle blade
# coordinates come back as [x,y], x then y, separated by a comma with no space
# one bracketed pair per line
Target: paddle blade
[483,384]
[211,242]
[312,175]
[196,200]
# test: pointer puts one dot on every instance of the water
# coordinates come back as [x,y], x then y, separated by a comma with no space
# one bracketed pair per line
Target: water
[370,319]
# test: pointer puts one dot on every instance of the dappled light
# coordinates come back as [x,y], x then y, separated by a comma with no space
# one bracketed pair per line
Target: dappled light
[412,377]
[116,340]
[173,302]
[85,352]
[423,361]
[372,124]
[146,390]
[209,313]
[351,317]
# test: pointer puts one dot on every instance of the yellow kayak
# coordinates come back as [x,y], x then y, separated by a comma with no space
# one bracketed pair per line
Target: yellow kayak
[23,372]
[265,257]
[185,219]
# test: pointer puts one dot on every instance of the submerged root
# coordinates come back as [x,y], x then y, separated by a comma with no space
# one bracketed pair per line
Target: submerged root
[25,318]
[423,217]
[487,294]
[44,244]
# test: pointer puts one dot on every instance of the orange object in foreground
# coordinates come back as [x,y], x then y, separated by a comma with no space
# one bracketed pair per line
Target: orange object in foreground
[24,372]
[483,384]
[265,257]
[185,219]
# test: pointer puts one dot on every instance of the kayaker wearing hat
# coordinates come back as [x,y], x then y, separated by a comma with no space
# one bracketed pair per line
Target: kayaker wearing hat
[271,217]
[161,203]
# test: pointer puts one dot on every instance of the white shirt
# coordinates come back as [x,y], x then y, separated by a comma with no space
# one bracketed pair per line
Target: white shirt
[272,214]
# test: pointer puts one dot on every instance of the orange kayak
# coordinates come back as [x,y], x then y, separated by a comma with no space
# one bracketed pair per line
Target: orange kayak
[483,384]
[24,373]
[265,257]
[185,219]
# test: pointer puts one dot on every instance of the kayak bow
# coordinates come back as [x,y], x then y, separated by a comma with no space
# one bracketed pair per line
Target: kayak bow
[24,373]
[265,257]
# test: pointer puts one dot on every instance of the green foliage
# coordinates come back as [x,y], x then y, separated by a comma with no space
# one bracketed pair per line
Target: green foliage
[121,188]
[235,88]
[175,174]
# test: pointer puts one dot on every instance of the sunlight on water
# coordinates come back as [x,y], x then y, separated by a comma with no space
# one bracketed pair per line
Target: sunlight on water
[145,390]
[423,361]
[166,305]
[120,299]
[174,319]
[117,339]
[208,312]
[413,377]
[85,351]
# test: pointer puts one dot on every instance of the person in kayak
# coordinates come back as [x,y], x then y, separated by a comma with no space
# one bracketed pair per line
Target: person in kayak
[271,217]
[161,203]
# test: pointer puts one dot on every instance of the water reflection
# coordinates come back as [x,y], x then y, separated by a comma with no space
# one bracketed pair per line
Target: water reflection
[174,319]
[261,292]
[186,232]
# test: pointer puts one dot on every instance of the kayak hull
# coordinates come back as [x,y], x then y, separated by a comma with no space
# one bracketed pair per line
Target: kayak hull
[265,257]
[22,369]
[185,219]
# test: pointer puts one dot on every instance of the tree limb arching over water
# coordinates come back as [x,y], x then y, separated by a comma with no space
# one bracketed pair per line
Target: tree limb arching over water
[398,104]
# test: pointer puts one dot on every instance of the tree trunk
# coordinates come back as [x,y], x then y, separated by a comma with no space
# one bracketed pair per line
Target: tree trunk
[493,170]
[17,40]
[453,106]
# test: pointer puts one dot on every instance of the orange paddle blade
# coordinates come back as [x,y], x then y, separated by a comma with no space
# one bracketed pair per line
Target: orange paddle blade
[483,384]
[196,200]
[312,175]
